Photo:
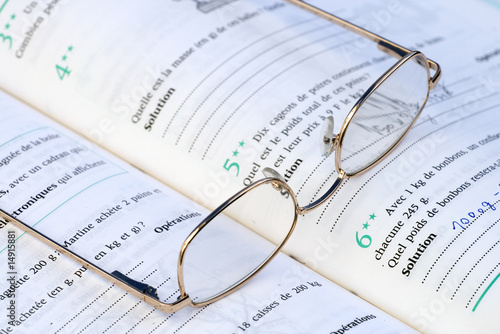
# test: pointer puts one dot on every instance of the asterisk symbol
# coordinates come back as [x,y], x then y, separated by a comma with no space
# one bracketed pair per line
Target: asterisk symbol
[235,153]
[242,143]
[365,226]
[372,216]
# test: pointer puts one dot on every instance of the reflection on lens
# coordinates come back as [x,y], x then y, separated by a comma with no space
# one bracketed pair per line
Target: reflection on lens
[225,252]
[386,115]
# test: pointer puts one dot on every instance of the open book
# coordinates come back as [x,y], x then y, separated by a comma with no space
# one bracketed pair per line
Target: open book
[201,96]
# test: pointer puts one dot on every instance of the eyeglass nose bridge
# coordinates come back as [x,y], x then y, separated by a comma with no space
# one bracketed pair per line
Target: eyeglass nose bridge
[310,207]
[271,173]
[328,143]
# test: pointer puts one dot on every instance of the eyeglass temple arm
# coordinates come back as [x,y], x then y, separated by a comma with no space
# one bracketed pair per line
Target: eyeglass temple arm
[140,290]
[384,45]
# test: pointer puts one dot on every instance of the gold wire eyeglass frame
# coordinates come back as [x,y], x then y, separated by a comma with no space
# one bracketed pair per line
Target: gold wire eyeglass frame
[147,293]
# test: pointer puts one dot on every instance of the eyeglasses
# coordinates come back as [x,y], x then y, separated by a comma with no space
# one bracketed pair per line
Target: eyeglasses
[220,256]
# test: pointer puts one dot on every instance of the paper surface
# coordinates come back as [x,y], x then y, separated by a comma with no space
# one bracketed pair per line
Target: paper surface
[207,99]
[118,219]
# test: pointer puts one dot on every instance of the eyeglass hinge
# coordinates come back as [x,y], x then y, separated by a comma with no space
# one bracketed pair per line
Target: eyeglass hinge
[143,287]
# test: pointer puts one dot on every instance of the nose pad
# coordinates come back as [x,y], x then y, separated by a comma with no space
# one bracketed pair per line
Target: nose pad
[327,137]
[269,172]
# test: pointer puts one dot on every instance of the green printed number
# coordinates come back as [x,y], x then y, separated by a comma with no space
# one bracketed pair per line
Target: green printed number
[6,38]
[365,240]
[234,164]
[62,71]
[3,5]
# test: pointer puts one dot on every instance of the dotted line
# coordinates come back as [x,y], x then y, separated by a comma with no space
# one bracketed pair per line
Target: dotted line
[151,273]
[226,78]
[311,174]
[97,298]
[232,114]
[408,147]
[466,250]
[396,130]
[147,315]
[161,323]
[104,312]
[482,283]
[262,87]
[195,315]
[442,253]
[123,315]
[369,179]
[254,92]
[86,307]
[321,186]
[276,60]
[396,157]
[153,310]
[330,201]
[173,294]
[224,62]
[137,266]
[450,244]
[165,281]
[137,324]
[473,267]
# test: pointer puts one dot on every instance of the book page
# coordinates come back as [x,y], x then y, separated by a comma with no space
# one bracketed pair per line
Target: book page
[119,219]
[208,98]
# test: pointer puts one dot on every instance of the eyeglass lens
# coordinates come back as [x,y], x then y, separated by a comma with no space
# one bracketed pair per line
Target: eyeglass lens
[385,115]
[225,252]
